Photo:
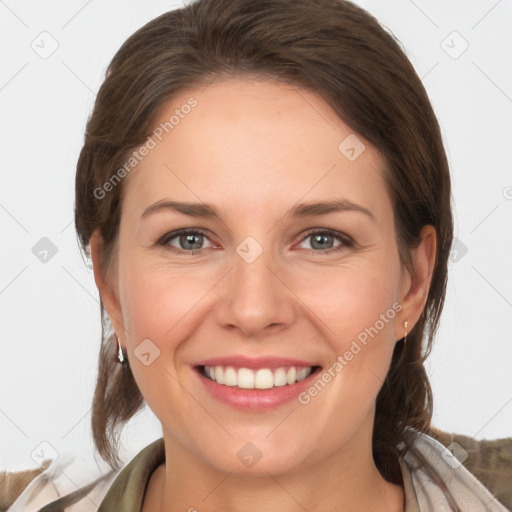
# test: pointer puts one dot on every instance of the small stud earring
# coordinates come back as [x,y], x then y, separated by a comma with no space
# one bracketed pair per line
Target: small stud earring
[405,329]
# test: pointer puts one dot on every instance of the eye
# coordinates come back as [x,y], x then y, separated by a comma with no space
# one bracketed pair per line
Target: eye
[322,240]
[189,241]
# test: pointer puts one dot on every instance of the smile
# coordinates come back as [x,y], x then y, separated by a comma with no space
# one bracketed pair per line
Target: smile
[262,378]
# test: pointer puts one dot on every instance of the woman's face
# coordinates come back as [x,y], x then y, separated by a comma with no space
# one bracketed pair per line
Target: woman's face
[262,286]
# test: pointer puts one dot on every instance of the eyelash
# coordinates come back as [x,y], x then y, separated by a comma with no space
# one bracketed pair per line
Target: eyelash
[346,241]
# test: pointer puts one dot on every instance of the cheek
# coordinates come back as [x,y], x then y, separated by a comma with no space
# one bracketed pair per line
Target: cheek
[156,298]
[161,306]
[154,308]
[366,308]
[354,300]
[358,308]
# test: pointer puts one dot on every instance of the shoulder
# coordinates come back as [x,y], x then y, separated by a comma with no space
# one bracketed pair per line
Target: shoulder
[13,483]
[65,483]
[79,482]
[490,461]
[453,470]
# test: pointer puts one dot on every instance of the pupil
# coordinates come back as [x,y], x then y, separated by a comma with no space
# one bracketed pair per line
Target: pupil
[190,239]
[320,237]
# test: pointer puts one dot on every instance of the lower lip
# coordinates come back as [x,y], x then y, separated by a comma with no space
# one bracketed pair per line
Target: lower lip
[256,399]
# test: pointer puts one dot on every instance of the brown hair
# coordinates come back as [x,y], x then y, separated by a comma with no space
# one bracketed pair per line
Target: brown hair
[341,53]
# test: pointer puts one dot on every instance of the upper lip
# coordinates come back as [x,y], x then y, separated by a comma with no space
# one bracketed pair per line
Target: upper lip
[254,362]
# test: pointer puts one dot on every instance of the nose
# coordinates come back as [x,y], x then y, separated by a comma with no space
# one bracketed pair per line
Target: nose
[255,298]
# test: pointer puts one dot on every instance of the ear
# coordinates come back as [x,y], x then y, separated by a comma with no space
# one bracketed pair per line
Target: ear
[415,285]
[106,285]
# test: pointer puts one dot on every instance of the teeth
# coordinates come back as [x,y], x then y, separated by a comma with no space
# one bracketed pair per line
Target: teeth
[263,378]
[291,376]
[245,379]
[280,377]
[302,374]
[230,377]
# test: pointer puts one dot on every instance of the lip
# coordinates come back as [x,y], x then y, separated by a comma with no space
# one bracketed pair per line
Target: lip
[255,400]
[254,362]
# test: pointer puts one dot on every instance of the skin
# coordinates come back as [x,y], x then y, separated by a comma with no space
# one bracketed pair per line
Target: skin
[255,148]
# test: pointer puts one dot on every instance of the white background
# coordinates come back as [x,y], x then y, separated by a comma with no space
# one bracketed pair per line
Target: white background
[49,323]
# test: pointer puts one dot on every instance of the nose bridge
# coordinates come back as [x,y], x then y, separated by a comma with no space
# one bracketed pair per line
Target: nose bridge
[253,296]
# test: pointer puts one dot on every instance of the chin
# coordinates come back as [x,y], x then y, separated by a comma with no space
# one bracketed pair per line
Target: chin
[256,458]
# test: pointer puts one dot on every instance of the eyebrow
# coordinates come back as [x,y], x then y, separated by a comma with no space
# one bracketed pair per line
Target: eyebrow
[208,211]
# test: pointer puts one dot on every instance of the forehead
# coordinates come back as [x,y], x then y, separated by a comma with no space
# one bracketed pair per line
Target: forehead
[248,142]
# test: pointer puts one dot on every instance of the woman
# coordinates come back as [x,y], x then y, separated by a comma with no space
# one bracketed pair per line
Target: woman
[293,146]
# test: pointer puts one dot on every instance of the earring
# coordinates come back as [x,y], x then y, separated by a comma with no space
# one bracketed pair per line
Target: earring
[120,355]
[405,329]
